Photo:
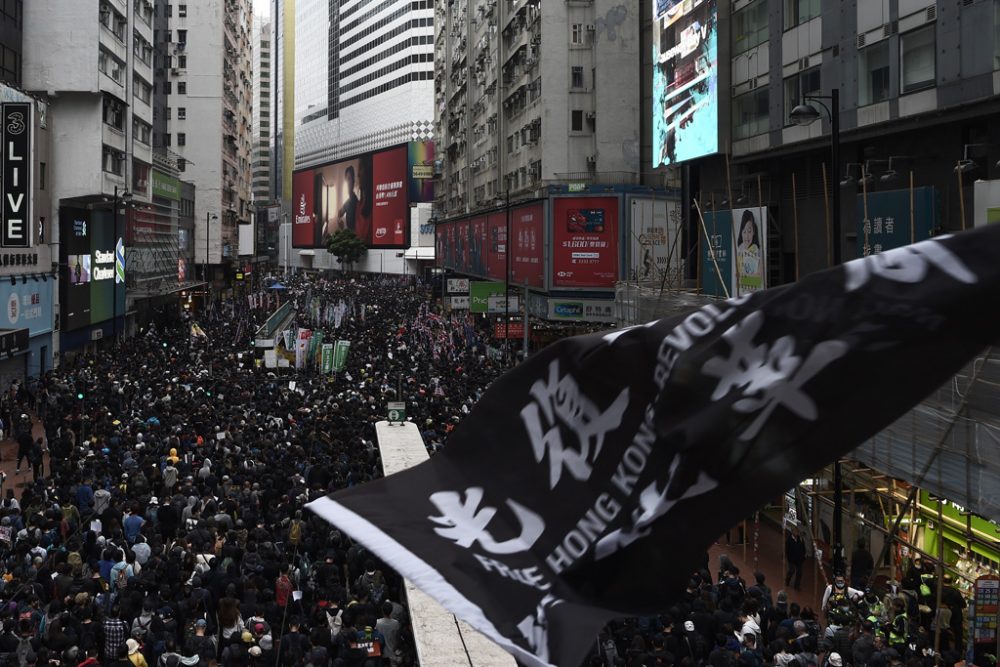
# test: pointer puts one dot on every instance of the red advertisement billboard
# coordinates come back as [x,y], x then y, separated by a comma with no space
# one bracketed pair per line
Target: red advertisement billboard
[527,245]
[441,245]
[390,220]
[477,247]
[303,210]
[585,242]
[496,253]
[462,245]
[367,194]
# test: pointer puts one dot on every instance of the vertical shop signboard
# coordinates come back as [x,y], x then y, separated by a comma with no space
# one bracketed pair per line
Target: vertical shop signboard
[987,610]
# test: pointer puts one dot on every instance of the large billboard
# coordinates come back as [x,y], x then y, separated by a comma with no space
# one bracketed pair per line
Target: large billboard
[655,248]
[369,194]
[685,80]
[527,245]
[89,245]
[736,252]
[585,242]
[888,223]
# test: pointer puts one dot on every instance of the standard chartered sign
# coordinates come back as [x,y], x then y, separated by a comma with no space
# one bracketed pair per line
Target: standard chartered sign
[104,265]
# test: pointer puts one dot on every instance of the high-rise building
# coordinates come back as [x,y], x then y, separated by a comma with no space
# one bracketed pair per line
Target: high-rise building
[260,160]
[11,31]
[206,80]
[363,77]
[283,76]
[98,86]
[363,83]
[533,92]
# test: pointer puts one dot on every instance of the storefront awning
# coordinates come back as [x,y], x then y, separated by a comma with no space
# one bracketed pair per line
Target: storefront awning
[419,253]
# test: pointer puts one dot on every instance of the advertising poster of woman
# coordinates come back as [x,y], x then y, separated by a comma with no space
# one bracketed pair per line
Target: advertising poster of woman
[751,249]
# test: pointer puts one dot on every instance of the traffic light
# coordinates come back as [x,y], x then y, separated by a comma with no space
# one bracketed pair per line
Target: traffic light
[79,395]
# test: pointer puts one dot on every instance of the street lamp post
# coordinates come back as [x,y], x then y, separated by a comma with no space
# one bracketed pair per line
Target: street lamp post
[208,234]
[806,114]
[122,196]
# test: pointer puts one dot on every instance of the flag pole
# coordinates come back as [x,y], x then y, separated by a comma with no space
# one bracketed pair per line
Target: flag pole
[711,249]
[734,233]
[795,225]
[866,224]
[826,214]
[762,260]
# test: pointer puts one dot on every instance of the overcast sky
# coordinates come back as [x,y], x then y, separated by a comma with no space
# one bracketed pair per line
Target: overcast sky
[262,8]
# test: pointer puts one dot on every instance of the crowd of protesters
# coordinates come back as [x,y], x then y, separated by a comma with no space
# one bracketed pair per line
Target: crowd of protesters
[725,620]
[168,527]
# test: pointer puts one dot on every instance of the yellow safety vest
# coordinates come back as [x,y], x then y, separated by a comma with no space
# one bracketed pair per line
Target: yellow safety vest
[894,637]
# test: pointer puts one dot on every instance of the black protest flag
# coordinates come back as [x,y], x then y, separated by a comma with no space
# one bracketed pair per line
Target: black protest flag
[588,482]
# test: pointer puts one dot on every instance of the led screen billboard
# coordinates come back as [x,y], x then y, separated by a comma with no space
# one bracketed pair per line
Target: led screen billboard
[585,242]
[685,80]
[88,244]
[369,194]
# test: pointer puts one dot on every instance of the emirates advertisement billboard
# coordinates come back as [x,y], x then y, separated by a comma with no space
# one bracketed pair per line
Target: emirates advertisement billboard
[585,244]
[369,194]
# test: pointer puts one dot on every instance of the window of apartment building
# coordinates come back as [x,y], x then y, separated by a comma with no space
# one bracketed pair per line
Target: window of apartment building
[41,175]
[576,35]
[182,11]
[143,10]
[142,49]
[798,12]
[119,27]
[169,10]
[114,113]
[751,114]
[182,87]
[182,62]
[114,161]
[13,10]
[750,26]
[166,139]
[182,113]
[141,131]
[181,139]
[576,122]
[576,77]
[916,59]
[168,88]
[182,36]
[873,73]
[798,86]
[111,66]
[141,90]
[10,68]
[140,176]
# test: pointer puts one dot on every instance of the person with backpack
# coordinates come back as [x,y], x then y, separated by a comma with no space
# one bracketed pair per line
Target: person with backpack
[295,529]
[372,581]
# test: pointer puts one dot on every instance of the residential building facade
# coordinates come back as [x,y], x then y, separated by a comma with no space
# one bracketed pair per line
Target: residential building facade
[207,82]
[98,87]
[529,93]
